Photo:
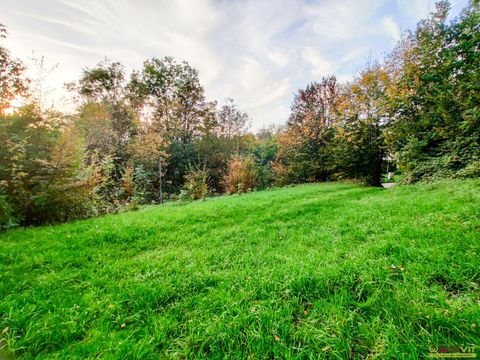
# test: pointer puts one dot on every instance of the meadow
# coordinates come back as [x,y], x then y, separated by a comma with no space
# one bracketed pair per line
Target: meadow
[334,271]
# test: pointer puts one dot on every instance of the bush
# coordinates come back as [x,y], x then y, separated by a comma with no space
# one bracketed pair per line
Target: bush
[6,214]
[437,168]
[472,170]
[128,184]
[196,186]
[241,175]
[143,191]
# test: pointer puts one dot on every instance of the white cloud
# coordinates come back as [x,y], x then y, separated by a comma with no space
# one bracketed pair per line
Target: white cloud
[343,20]
[416,9]
[273,93]
[280,58]
[354,55]
[320,65]
[257,52]
[392,29]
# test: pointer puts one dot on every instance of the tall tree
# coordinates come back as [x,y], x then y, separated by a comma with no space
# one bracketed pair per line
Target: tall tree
[230,121]
[435,127]
[304,147]
[216,147]
[364,114]
[171,95]
[12,80]
[104,82]
[106,118]
[40,167]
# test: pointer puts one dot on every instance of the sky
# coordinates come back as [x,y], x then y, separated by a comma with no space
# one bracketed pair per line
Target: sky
[258,52]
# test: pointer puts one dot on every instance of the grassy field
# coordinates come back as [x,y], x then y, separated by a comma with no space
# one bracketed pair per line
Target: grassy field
[316,271]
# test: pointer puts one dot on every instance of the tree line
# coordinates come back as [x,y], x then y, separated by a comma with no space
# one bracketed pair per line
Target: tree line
[152,136]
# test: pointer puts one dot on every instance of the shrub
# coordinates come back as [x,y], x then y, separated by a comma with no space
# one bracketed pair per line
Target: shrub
[196,186]
[241,175]
[472,170]
[143,191]
[128,184]
[6,213]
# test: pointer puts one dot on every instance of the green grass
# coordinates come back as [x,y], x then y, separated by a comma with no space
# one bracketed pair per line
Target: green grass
[332,271]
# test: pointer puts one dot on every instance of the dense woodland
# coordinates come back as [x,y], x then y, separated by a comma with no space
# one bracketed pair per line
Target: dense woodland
[152,136]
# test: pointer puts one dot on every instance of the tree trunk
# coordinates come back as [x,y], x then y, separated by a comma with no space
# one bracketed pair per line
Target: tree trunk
[160,191]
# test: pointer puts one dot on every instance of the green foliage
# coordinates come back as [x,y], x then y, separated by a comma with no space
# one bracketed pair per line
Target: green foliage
[143,192]
[174,92]
[215,152]
[196,185]
[103,83]
[134,136]
[106,191]
[305,148]
[12,80]
[421,109]
[264,154]
[230,122]
[472,170]
[6,213]
[40,168]
[436,132]
[307,272]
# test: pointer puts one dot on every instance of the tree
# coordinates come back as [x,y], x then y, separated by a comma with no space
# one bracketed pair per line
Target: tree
[216,147]
[171,95]
[104,82]
[305,146]
[149,151]
[363,115]
[264,153]
[40,168]
[230,122]
[106,119]
[241,175]
[435,128]
[196,184]
[12,81]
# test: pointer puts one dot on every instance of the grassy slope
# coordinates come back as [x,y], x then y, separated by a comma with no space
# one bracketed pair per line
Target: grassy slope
[286,273]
